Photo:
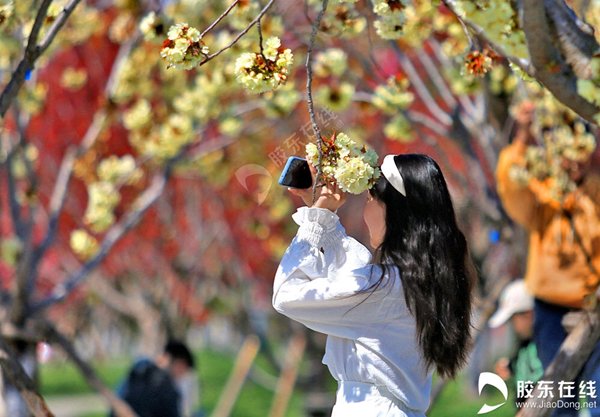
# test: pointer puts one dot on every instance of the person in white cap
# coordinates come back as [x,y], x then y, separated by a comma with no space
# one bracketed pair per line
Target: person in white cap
[516,307]
[393,319]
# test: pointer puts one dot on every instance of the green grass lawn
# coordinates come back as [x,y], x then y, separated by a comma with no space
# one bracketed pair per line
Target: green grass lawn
[456,400]
[60,378]
[255,401]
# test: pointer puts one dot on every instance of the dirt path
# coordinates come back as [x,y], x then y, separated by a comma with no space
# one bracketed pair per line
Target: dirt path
[77,406]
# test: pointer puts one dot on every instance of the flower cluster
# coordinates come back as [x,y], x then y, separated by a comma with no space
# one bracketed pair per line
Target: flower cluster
[152,26]
[117,170]
[394,96]
[103,197]
[336,97]
[564,137]
[183,48]
[166,141]
[499,20]
[83,244]
[6,12]
[332,61]
[344,21]
[478,63]
[73,78]
[399,128]
[351,166]
[266,70]
[393,99]
[390,23]
[590,88]
[138,116]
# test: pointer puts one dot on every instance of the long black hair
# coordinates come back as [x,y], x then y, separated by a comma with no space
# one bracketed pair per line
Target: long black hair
[423,240]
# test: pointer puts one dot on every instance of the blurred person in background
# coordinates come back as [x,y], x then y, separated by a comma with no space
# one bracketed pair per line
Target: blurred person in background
[563,260]
[516,307]
[165,387]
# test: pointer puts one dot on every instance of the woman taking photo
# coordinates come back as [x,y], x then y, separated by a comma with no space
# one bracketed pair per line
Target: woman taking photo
[394,318]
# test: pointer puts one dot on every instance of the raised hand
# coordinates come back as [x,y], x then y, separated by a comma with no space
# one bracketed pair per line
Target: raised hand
[328,196]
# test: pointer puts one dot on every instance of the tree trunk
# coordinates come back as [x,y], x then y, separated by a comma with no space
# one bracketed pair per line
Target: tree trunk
[569,360]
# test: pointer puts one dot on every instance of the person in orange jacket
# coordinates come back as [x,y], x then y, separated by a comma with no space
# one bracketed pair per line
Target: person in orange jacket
[563,261]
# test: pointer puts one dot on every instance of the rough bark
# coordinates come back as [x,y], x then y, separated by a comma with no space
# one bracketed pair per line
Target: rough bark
[548,64]
[569,360]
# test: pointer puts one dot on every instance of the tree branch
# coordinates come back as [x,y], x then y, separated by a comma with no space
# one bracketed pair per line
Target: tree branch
[434,73]
[480,32]
[14,206]
[568,361]
[121,408]
[17,376]
[114,234]
[464,100]
[549,66]
[33,51]
[239,35]
[309,98]
[59,22]
[420,87]
[577,41]
[216,22]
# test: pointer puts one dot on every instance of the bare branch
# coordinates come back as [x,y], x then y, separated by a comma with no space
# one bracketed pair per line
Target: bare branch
[428,122]
[309,98]
[216,22]
[434,73]
[20,380]
[59,22]
[420,87]
[241,34]
[61,186]
[58,198]
[33,51]
[15,207]
[114,234]
[464,100]
[121,408]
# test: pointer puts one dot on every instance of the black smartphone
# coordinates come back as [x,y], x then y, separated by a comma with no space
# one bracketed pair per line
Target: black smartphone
[296,173]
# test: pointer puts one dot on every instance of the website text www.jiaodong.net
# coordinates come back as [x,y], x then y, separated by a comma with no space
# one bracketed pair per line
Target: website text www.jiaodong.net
[557,404]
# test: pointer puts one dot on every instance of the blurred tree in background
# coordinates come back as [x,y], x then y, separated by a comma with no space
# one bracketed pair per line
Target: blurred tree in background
[141,141]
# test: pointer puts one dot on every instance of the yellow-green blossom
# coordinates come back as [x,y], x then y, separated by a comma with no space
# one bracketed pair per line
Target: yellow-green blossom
[73,78]
[389,7]
[152,26]
[352,167]
[115,170]
[83,244]
[264,72]
[103,197]
[399,128]
[183,48]
[393,96]
[336,97]
[390,26]
[499,21]
[333,61]
[354,175]
[343,20]
[138,116]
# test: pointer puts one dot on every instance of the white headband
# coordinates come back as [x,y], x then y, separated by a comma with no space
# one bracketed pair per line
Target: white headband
[391,173]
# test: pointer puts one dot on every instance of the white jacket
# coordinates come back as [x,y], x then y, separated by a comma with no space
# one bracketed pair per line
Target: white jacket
[326,282]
